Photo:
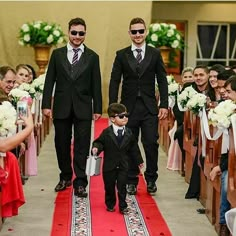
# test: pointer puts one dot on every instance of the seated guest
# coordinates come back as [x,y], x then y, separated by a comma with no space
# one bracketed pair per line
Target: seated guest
[11,186]
[177,142]
[222,168]
[22,74]
[32,73]
[213,91]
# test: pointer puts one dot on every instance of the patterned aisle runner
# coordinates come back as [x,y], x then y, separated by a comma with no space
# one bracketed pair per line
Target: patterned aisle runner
[81,218]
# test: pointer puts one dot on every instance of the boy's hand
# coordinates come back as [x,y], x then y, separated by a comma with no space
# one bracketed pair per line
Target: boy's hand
[94,151]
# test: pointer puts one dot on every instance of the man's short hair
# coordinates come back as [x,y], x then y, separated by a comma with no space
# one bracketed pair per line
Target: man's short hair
[204,67]
[218,68]
[137,20]
[116,108]
[225,74]
[76,21]
[4,70]
[232,82]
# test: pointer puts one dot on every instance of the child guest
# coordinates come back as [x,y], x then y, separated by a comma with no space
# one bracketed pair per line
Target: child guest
[119,146]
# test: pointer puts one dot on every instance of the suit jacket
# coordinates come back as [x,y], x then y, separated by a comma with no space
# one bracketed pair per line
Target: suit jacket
[77,88]
[116,155]
[139,78]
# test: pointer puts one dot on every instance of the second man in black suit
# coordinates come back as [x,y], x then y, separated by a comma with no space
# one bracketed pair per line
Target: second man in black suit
[139,66]
[75,72]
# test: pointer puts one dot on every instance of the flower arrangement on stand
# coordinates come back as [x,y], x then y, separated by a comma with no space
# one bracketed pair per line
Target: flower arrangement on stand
[168,39]
[41,35]
[40,32]
[221,114]
[38,84]
[28,88]
[163,34]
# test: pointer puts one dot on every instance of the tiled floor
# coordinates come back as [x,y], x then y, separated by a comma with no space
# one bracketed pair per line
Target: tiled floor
[35,216]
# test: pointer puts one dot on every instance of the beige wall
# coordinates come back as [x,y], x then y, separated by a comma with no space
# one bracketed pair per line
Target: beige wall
[107,27]
[192,13]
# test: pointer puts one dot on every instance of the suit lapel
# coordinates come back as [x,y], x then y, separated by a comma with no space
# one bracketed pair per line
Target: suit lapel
[146,61]
[131,59]
[82,63]
[113,136]
[64,60]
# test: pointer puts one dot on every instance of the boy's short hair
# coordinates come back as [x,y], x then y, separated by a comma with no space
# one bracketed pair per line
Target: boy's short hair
[116,108]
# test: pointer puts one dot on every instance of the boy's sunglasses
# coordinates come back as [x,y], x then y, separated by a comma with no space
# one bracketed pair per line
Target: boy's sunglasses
[141,31]
[121,116]
[80,33]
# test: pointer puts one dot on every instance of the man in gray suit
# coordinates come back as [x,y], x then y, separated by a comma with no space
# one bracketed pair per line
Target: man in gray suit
[75,72]
[140,65]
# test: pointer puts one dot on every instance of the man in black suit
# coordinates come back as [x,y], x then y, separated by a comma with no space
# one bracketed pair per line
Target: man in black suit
[75,72]
[140,65]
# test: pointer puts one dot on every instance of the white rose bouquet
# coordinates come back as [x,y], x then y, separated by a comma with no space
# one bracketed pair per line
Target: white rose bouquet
[220,115]
[38,83]
[28,88]
[40,32]
[185,96]
[196,103]
[16,95]
[7,119]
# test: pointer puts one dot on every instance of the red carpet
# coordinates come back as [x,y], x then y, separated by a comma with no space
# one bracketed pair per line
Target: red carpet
[106,223]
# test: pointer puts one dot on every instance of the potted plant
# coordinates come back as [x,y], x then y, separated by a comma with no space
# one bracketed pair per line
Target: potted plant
[166,37]
[41,35]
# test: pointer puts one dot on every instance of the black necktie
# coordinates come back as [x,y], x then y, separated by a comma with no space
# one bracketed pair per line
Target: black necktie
[120,135]
[75,57]
[139,55]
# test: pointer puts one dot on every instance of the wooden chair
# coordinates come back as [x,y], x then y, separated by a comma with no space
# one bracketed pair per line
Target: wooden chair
[231,171]
[191,124]
[210,190]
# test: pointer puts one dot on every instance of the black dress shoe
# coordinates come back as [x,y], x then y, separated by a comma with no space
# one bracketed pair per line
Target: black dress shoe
[62,185]
[124,211]
[110,209]
[131,189]
[80,192]
[151,187]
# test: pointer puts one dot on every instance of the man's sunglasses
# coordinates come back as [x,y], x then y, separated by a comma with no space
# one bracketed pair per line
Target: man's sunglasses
[141,31]
[80,33]
[121,116]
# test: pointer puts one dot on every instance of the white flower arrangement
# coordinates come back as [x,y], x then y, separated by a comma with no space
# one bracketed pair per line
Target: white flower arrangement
[7,119]
[16,95]
[163,34]
[38,83]
[220,115]
[196,103]
[40,32]
[28,88]
[173,86]
[185,96]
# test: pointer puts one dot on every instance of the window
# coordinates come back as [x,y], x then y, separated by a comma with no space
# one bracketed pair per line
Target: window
[216,43]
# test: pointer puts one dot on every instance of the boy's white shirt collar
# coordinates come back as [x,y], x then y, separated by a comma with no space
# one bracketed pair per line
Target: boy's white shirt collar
[115,129]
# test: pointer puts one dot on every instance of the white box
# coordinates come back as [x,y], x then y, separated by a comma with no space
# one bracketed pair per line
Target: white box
[93,165]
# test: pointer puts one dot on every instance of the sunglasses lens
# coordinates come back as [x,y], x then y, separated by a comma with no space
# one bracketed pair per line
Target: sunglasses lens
[133,31]
[74,33]
[141,31]
[81,33]
[121,116]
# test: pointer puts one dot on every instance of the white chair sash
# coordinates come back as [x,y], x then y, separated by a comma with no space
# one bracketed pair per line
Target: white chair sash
[233,122]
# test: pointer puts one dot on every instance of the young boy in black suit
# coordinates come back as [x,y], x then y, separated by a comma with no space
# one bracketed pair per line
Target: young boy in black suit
[119,145]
